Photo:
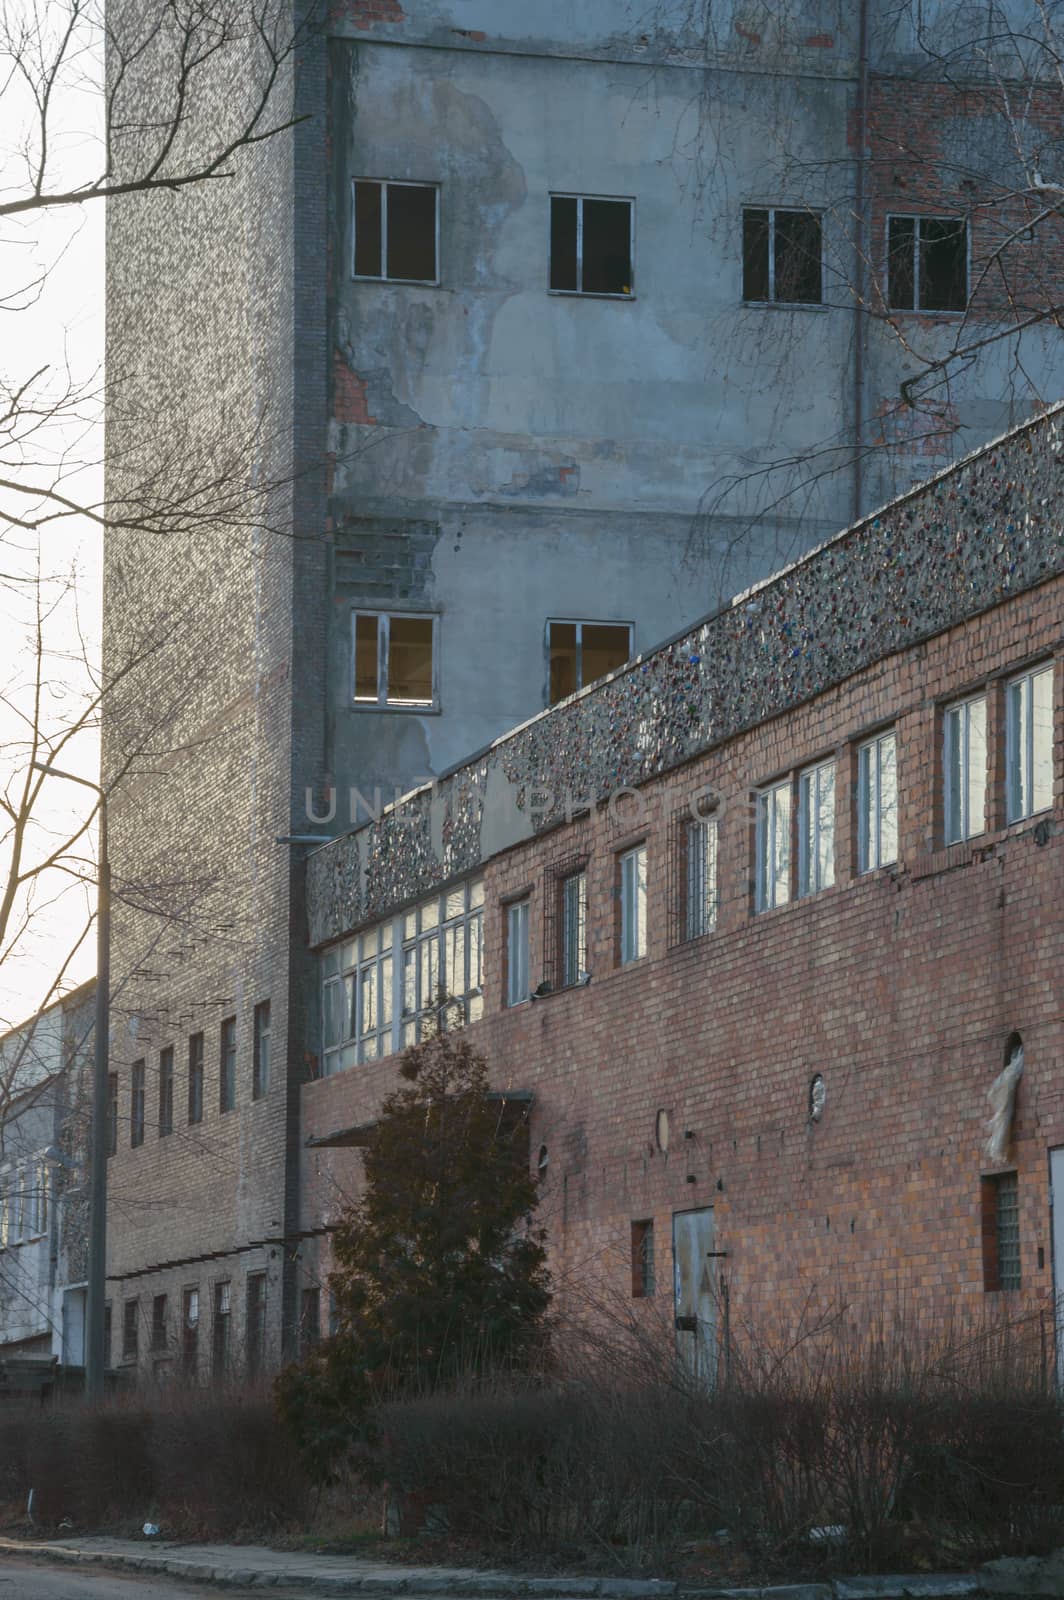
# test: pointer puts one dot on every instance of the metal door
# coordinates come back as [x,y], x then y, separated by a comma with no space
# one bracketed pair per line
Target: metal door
[695,1295]
[1056,1216]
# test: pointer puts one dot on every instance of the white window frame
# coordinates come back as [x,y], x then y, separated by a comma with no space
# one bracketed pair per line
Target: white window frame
[572,890]
[701,844]
[632,871]
[773,886]
[1020,763]
[384,621]
[517,951]
[956,785]
[918,217]
[579,292]
[872,844]
[813,877]
[382,276]
[801,211]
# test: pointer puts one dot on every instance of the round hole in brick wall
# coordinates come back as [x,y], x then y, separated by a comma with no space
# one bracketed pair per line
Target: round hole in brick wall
[817,1096]
[543,1161]
[661,1131]
[1013,1047]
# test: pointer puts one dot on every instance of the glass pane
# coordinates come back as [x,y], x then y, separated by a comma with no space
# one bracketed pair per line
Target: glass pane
[956,785]
[902,253]
[369,943]
[574,910]
[348,1020]
[331,1013]
[755,255]
[365,658]
[562,242]
[386,936]
[797,257]
[607,252]
[410,925]
[562,660]
[455,904]
[1018,729]
[369,1048]
[454,976]
[476,948]
[476,892]
[864,808]
[826,830]
[410,661]
[386,991]
[368,230]
[641,903]
[409,1034]
[976,818]
[1042,740]
[475,1007]
[429,914]
[411,240]
[429,973]
[606,646]
[764,851]
[409,982]
[781,882]
[330,963]
[943,264]
[888,802]
[368,1020]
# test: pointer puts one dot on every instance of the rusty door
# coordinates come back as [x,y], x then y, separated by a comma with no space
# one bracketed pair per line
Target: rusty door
[695,1294]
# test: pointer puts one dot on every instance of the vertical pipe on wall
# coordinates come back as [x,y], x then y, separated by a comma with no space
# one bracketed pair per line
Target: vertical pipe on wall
[861,258]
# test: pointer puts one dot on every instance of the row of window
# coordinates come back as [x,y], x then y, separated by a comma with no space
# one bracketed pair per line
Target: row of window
[25,1201]
[187,1344]
[227,1055]
[591,248]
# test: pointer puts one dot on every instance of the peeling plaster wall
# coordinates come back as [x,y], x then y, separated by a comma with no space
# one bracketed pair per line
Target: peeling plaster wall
[990,527]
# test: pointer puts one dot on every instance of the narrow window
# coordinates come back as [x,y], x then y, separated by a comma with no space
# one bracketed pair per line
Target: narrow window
[642,1259]
[1029,743]
[166,1091]
[877,803]
[107,1333]
[394,659]
[112,1113]
[1001,1232]
[260,1071]
[816,829]
[220,1330]
[774,846]
[517,989]
[190,1333]
[227,1065]
[964,769]
[395,231]
[5,1216]
[582,652]
[782,256]
[42,1196]
[136,1104]
[632,867]
[195,1078]
[700,866]
[130,1326]
[591,245]
[927,263]
[309,1319]
[158,1322]
[574,928]
[255,1326]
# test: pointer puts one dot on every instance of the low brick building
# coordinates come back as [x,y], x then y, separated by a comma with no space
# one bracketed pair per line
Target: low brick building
[757,922]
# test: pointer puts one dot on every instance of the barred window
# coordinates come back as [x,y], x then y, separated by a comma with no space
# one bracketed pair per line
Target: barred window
[700,860]
[642,1259]
[573,928]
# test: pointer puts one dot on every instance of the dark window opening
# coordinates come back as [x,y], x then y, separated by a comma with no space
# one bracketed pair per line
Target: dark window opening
[195,1078]
[642,1259]
[220,1330]
[255,1329]
[309,1319]
[260,1070]
[1000,1206]
[582,652]
[189,1332]
[136,1104]
[107,1333]
[129,1330]
[227,1065]
[112,1113]
[410,661]
[395,231]
[366,671]
[590,245]
[158,1322]
[166,1091]
[927,263]
[782,257]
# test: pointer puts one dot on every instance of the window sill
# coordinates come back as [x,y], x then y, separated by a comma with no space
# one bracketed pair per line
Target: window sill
[404,283]
[786,305]
[589,294]
[424,708]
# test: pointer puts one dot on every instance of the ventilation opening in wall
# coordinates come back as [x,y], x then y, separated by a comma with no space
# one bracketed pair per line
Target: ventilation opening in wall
[642,1259]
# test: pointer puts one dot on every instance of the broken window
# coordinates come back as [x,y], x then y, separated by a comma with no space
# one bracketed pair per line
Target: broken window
[158,1322]
[394,659]
[700,869]
[632,868]
[396,231]
[573,912]
[195,1078]
[782,256]
[642,1259]
[130,1325]
[166,1091]
[112,1113]
[517,984]
[877,803]
[773,846]
[136,1104]
[1029,743]
[591,245]
[227,1065]
[927,263]
[1001,1232]
[816,828]
[582,652]
[190,1332]
[260,1065]
[964,769]
[255,1323]
[220,1330]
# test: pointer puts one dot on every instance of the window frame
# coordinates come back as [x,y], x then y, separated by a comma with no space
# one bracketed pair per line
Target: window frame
[221,1327]
[254,1300]
[196,1077]
[382,276]
[166,1091]
[918,217]
[700,910]
[1018,680]
[580,623]
[520,912]
[260,1056]
[572,972]
[809,874]
[951,779]
[130,1329]
[993,1186]
[865,863]
[382,703]
[644,1277]
[227,1079]
[772,300]
[631,883]
[766,802]
[138,1097]
[579,293]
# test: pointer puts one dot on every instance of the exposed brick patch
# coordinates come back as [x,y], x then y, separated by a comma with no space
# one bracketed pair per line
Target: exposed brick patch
[477,36]
[366,13]
[820,41]
[350,403]
[751,38]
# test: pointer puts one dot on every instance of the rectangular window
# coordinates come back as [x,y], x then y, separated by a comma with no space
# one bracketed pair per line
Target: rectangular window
[642,1259]
[107,1333]
[394,659]
[927,263]
[517,987]
[1001,1232]
[260,1072]
[632,869]
[964,769]
[443,955]
[227,1065]
[158,1322]
[573,912]
[582,652]
[5,1217]
[816,828]
[1029,743]
[309,1319]
[166,1091]
[220,1330]
[42,1197]
[130,1326]
[136,1104]
[255,1325]
[773,846]
[112,1113]
[396,231]
[195,1078]
[700,877]
[591,245]
[782,256]
[190,1333]
[877,803]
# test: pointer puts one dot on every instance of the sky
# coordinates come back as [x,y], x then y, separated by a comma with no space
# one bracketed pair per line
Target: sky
[54,336]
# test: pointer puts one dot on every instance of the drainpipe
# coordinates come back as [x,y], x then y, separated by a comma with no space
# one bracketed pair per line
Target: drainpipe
[860,267]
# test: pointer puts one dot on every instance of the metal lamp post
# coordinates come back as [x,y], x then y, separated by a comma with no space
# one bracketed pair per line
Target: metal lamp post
[94,1316]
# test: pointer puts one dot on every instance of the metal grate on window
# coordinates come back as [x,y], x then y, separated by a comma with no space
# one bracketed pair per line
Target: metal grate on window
[565,921]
